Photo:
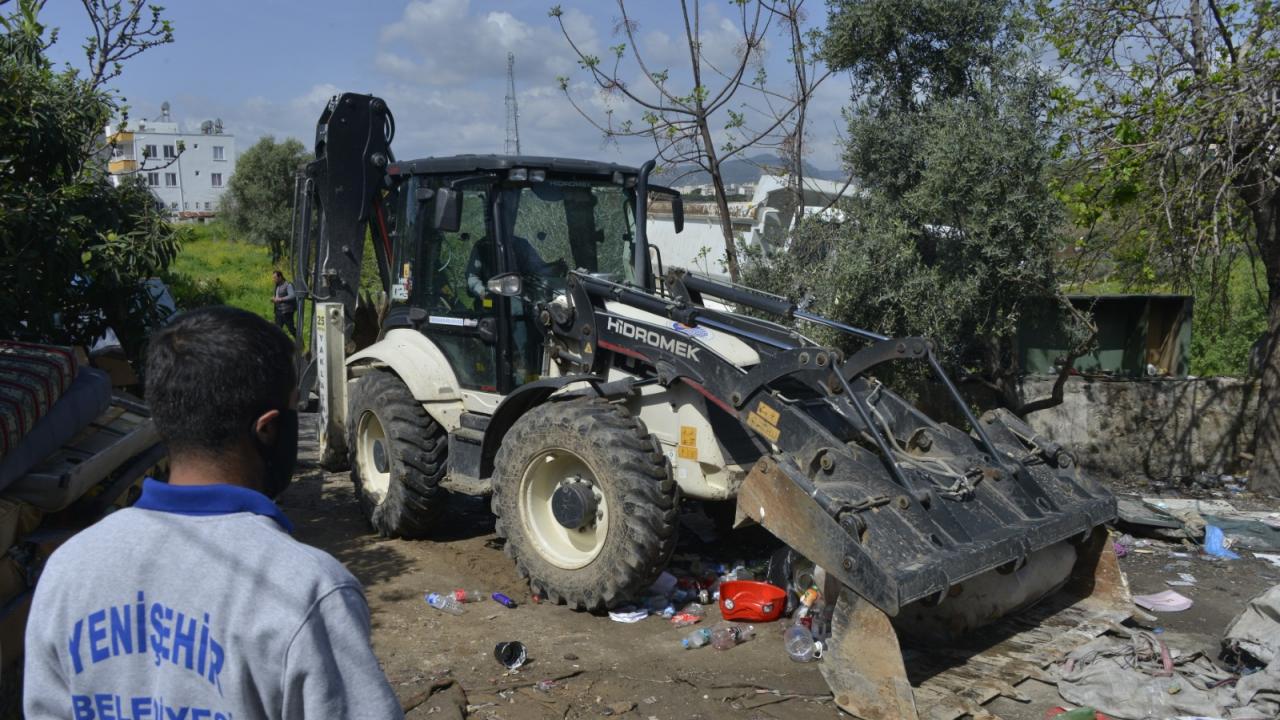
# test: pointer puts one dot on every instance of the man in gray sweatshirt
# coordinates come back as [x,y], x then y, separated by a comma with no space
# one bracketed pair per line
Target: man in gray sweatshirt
[196,604]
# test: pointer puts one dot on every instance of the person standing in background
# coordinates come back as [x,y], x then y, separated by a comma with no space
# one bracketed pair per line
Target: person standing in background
[286,302]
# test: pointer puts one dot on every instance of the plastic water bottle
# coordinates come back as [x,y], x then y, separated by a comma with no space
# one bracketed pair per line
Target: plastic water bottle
[726,636]
[696,639]
[468,596]
[446,603]
[799,643]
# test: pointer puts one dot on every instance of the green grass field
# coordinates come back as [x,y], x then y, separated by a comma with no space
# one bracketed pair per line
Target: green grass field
[213,268]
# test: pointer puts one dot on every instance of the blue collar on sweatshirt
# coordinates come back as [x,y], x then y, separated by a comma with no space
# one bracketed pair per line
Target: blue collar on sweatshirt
[208,500]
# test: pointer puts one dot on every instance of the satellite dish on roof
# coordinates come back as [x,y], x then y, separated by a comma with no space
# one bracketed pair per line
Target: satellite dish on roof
[206,127]
[217,126]
[164,110]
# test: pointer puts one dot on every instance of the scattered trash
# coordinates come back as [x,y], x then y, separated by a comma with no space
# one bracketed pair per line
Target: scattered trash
[696,639]
[1186,580]
[570,657]
[535,599]
[650,700]
[751,600]
[1080,713]
[628,614]
[1256,630]
[800,644]
[781,572]
[503,600]
[684,619]
[1247,530]
[1137,675]
[664,585]
[1167,601]
[468,596]
[1215,544]
[1120,548]
[725,635]
[545,685]
[444,603]
[511,654]
[1273,559]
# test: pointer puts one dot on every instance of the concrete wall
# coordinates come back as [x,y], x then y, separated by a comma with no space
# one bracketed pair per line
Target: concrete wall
[1156,429]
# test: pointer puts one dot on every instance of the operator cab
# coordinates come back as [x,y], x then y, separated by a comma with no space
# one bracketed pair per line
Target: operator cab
[464,221]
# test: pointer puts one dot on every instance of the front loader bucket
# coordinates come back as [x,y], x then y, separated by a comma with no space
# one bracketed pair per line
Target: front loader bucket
[922,658]
[874,676]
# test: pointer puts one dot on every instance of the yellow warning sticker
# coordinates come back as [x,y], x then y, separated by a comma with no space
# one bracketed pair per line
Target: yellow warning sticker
[760,425]
[688,447]
[487,302]
[586,348]
[689,435]
[767,413]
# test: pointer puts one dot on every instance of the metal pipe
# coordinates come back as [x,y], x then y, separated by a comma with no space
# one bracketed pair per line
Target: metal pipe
[885,453]
[742,296]
[834,324]
[641,255]
[964,408]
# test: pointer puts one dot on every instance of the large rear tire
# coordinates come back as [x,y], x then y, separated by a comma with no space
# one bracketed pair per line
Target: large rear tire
[398,457]
[585,500]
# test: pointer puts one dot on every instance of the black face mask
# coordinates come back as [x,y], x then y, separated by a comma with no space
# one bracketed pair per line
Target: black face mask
[280,458]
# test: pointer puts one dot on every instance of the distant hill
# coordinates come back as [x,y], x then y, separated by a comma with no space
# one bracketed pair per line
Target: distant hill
[741,170]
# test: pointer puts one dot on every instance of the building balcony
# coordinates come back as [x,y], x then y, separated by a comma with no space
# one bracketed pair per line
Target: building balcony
[122,165]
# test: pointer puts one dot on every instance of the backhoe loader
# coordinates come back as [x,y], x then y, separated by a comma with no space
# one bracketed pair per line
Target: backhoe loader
[534,348]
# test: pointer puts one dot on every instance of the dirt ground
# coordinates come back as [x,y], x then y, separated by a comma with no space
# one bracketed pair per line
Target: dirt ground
[444,664]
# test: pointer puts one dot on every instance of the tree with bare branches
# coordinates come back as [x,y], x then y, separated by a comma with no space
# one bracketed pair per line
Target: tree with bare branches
[1176,122]
[684,111]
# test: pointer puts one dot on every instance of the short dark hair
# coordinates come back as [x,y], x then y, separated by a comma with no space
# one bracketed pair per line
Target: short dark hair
[211,372]
[278,274]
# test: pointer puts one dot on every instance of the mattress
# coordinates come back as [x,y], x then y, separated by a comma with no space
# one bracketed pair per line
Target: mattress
[32,378]
[87,398]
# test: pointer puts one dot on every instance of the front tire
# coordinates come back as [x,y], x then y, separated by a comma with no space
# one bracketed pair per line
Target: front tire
[398,457]
[586,502]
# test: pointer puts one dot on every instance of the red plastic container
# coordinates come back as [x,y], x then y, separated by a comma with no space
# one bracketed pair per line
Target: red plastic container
[751,601]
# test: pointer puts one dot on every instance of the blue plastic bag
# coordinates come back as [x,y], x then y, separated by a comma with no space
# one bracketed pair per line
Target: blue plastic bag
[1214,543]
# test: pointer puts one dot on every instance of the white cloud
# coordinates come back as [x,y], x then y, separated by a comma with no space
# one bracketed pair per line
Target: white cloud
[441,66]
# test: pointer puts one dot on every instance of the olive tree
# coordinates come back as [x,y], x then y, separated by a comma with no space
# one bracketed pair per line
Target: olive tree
[74,248]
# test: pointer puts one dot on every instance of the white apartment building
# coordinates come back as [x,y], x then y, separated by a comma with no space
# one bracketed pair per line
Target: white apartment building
[187,171]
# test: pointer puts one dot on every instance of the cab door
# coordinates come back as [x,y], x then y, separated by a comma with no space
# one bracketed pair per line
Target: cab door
[453,267]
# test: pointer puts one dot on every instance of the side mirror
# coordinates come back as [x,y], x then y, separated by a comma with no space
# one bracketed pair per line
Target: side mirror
[677,212]
[506,285]
[448,207]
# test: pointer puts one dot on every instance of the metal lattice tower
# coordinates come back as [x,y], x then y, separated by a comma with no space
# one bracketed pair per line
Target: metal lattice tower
[513,112]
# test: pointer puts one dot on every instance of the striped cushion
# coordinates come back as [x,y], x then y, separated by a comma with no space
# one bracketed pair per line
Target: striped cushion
[32,378]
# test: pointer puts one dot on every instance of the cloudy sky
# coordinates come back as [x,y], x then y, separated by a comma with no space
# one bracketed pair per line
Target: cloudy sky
[266,67]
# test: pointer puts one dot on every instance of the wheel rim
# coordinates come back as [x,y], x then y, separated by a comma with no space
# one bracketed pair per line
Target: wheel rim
[561,546]
[373,457]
